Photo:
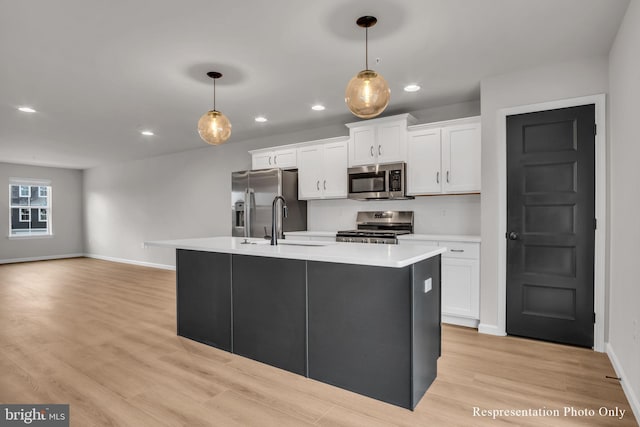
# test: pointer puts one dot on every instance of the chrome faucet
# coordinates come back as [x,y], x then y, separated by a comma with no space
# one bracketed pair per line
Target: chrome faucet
[274,231]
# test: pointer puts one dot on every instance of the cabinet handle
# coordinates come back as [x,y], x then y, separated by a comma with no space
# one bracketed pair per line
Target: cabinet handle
[371,151]
[379,150]
[318,185]
[269,159]
[324,184]
[447,177]
[456,250]
[438,177]
[275,160]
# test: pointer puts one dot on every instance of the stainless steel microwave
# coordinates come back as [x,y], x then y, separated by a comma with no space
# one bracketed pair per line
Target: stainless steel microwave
[375,182]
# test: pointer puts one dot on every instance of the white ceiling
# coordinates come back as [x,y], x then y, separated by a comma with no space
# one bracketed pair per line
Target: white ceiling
[98,72]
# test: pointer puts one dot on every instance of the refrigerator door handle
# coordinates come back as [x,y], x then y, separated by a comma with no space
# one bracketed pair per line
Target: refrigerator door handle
[247,212]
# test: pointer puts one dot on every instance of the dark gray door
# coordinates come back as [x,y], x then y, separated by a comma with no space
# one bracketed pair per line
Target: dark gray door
[550,224]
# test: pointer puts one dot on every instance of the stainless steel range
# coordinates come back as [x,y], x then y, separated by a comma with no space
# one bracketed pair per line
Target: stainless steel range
[378,227]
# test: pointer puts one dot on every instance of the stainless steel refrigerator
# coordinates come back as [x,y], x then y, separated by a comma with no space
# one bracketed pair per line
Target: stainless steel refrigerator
[252,193]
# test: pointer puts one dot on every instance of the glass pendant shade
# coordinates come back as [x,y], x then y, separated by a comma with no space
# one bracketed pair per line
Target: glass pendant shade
[367,94]
[214,127]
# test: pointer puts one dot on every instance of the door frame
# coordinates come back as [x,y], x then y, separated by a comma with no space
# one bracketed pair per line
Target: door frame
[599,255]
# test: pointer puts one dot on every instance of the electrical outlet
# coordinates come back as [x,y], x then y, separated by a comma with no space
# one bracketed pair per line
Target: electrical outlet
[427,285]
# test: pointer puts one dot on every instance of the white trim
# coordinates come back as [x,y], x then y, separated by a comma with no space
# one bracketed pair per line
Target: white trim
[490,330]
[460,321]
[29,181]
[600,174]
[130,261]
[40,258]
[634,402]
[29,236]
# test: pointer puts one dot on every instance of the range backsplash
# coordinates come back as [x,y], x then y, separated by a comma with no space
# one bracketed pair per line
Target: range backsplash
[454,214]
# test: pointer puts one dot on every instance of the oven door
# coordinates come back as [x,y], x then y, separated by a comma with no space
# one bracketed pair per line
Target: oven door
[368,182]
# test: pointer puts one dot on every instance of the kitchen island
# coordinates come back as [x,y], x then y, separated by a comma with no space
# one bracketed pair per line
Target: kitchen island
[362,317]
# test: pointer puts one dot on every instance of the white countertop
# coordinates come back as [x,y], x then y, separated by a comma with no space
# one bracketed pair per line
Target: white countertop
[441,237]
[395,256]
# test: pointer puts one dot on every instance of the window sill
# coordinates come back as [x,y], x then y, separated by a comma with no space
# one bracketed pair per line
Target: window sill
[34,236]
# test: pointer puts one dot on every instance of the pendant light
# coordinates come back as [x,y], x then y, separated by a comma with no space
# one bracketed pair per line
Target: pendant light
[214,127]
[367,94]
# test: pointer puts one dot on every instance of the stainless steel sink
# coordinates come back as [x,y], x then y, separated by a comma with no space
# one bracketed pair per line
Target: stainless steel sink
[304,243]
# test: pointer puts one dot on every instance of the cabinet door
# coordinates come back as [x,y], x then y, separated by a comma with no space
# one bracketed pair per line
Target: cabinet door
[262,160]
[285,158]
[334,181]
[309,172]
[363,146]
[461,158]
[424,174]
[460,287]
[390,144]
[269,311]
[204,297]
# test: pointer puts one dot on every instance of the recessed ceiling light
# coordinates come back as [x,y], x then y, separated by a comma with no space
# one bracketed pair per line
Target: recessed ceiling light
[147,133]
[318,107]
[260,119]
[412,88]
[26,109]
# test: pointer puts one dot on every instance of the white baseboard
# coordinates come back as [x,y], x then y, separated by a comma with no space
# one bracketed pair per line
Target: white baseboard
[483,328]
[460,321]
[130,261]
[40,258]
[626,387]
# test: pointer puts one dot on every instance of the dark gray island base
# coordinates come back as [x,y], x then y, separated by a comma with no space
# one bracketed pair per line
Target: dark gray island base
[371,330]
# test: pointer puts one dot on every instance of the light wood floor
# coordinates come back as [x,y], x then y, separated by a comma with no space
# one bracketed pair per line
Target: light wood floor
[101,337]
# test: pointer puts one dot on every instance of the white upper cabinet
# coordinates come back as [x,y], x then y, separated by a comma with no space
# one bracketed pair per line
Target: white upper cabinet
[284,158]
[322,170]
[461,151]
[424,174]
[444,158]
[378,140]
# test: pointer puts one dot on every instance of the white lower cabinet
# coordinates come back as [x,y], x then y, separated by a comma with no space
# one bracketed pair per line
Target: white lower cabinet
[460,281]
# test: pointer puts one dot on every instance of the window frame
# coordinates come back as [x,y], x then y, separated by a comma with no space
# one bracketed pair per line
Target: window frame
[46,215]
[46,192]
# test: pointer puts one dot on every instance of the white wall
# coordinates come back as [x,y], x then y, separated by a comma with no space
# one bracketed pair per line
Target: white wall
[624,285]
[546,83]
[66,214]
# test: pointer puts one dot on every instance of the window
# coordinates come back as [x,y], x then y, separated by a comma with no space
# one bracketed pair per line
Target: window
[29,205]
[25,215]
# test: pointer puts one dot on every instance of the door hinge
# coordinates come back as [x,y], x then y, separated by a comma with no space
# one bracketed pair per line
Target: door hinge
[595,223]
[595,129]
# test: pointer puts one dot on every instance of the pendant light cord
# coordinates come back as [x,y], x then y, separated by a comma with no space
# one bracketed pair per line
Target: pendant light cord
[214,94]
[366,48]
